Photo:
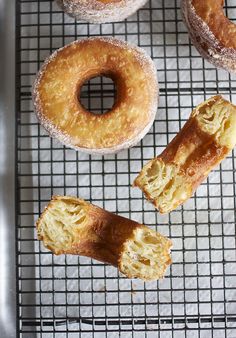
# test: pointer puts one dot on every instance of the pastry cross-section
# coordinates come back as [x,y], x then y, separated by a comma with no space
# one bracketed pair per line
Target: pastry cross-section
[207,137]
[70,225]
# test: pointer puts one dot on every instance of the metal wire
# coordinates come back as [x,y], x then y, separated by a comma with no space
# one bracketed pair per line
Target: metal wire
[75,296]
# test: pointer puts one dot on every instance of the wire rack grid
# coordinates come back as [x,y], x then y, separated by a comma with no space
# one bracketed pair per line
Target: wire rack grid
[64,296]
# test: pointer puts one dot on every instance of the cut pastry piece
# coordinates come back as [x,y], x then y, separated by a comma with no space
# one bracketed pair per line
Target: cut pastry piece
[70,225]
[207,137]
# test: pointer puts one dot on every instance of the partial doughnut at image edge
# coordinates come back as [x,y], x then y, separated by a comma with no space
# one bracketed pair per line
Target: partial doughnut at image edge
[69,225]
[205,140]
[59,82]
[211,32]
[100,11]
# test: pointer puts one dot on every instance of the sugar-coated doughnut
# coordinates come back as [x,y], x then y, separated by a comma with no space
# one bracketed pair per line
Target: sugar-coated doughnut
[212,33]
[100,11]
[70,225]
[59,82]
[205,140]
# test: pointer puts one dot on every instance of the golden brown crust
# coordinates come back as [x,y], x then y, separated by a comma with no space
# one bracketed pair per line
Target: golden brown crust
[212,13]
[212,33]
[61,78]
[103,230]
[72,226]
[171,178]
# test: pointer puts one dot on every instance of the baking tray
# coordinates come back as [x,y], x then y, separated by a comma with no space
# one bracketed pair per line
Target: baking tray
[69,296]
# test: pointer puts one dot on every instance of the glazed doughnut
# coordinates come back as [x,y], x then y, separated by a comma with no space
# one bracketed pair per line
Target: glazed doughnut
[100,11]
[204,141]
[212,33]
[70,225]
[59,82]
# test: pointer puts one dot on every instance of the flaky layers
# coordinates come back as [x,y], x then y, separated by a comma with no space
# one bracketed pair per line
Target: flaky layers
[58,84]
[212,33]
[208,136]
[72,226]
[100,11]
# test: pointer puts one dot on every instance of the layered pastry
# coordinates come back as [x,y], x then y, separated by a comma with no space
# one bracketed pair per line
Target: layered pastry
[70,225]
[205,140]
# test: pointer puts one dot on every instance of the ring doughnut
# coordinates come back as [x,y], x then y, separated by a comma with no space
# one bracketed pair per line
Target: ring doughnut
[100,11]
[58,83]
[212,33]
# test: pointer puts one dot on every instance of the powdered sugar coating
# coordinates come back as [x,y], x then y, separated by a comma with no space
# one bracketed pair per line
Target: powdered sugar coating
[148,68]
[95,11]
[205,41]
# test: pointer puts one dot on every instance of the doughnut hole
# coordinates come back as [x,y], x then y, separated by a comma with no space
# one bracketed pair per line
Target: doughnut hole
[98,95]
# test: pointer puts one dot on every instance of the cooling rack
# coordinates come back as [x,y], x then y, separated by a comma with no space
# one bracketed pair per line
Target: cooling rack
[69,296]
